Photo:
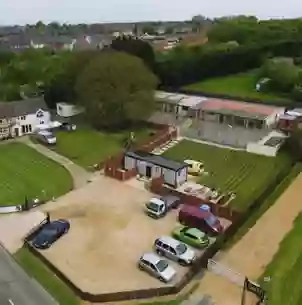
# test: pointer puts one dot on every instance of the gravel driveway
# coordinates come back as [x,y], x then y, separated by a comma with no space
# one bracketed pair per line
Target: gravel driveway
[109,232]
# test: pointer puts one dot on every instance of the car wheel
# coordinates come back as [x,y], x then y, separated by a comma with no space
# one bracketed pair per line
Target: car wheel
[160,252]
[182,263]
[140,267]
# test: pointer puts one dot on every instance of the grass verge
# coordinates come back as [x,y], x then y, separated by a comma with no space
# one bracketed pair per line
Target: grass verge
[36,269]
[284,271]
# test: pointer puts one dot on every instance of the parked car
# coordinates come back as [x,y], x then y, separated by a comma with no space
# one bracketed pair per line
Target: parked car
[157,267]
[158,207]
[68,126]
[191,236]
[203,219]
[174,250]
[50,233]
[195,167]
[46,137]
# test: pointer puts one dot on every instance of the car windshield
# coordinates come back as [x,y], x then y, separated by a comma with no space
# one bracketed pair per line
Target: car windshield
[49,230]
[153,206]
[211,220]
[162,265]
[181,248]
[49,136]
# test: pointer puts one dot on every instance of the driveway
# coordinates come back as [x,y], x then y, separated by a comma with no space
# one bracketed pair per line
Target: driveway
[79,174]
[109,232]
[16,288]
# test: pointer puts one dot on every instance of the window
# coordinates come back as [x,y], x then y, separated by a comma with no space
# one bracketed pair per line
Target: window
[185,108]
[22,117]
[23,129]
[1,121]
[29,128]
[40,114]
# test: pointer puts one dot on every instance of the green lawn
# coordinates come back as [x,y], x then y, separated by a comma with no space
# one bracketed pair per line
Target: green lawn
[25,172]
[284,271]
[243,173]
[36,269]
[87,146]
[237,85]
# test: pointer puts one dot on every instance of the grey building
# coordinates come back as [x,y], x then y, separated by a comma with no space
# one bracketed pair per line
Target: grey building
[153,166]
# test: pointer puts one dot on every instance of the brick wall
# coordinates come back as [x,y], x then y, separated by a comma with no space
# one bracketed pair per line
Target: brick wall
[113,165]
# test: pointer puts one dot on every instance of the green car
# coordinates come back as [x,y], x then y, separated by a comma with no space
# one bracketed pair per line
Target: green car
[191,236]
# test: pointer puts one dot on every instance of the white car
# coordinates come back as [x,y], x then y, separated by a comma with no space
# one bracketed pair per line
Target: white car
[174,250]
[157,267]
[46,137]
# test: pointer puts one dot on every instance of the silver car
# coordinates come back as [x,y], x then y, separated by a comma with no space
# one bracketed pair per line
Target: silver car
[174,250]
[157,267]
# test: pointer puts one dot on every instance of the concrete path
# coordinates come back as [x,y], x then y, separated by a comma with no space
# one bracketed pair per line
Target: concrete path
[80,175]
[16,287]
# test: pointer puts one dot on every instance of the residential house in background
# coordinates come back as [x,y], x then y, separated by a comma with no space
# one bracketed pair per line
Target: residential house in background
[22,117]
[86,42]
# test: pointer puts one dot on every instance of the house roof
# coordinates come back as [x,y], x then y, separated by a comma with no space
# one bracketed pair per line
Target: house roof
[241,109]
[156,160]
[20,108]
[190,101]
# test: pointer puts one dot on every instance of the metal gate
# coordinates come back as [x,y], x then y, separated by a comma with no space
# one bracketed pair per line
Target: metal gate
[231,275]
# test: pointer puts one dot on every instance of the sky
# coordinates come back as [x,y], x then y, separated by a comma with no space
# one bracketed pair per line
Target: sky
[99,11]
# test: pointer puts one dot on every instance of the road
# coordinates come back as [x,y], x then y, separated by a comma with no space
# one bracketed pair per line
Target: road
[16,288]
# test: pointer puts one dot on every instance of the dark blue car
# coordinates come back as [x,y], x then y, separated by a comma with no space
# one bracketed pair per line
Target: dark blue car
[50,233]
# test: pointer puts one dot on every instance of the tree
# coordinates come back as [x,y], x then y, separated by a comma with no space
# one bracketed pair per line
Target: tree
[61,86]
[282,72]
[136,47]
[116,89]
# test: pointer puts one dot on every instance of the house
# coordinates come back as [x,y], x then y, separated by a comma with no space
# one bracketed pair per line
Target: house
[153,166]
[22,117]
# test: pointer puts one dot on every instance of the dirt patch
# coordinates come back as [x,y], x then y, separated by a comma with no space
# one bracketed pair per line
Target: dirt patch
[109,232]
[256,249]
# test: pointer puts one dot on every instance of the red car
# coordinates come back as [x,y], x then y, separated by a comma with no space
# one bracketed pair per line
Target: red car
[204,220]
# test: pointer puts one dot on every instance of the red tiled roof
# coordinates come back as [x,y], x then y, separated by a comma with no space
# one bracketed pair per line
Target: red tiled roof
[215,104]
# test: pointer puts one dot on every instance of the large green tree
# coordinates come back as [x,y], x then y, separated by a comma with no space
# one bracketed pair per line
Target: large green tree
[282,72]
[116,89]
[61,87]
[136,47]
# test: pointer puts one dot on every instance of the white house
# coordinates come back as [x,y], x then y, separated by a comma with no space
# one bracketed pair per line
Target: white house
[22,117]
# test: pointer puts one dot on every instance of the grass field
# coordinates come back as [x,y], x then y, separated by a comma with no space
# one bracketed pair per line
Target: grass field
[284,271]
[36,269]
[25,172]
[240,172]
[87,146]
[237,85]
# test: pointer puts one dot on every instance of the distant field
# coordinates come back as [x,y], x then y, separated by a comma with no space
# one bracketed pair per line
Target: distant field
[284,271]
[25,172]
[240,172]
[237,85]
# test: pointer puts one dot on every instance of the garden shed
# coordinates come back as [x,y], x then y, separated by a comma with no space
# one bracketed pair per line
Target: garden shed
[153,166]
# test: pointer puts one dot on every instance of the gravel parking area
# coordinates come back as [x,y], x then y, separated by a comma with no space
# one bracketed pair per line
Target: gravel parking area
[109,232]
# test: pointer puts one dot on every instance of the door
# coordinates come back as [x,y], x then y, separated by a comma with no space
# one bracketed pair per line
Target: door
[148,171]
[17,132]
